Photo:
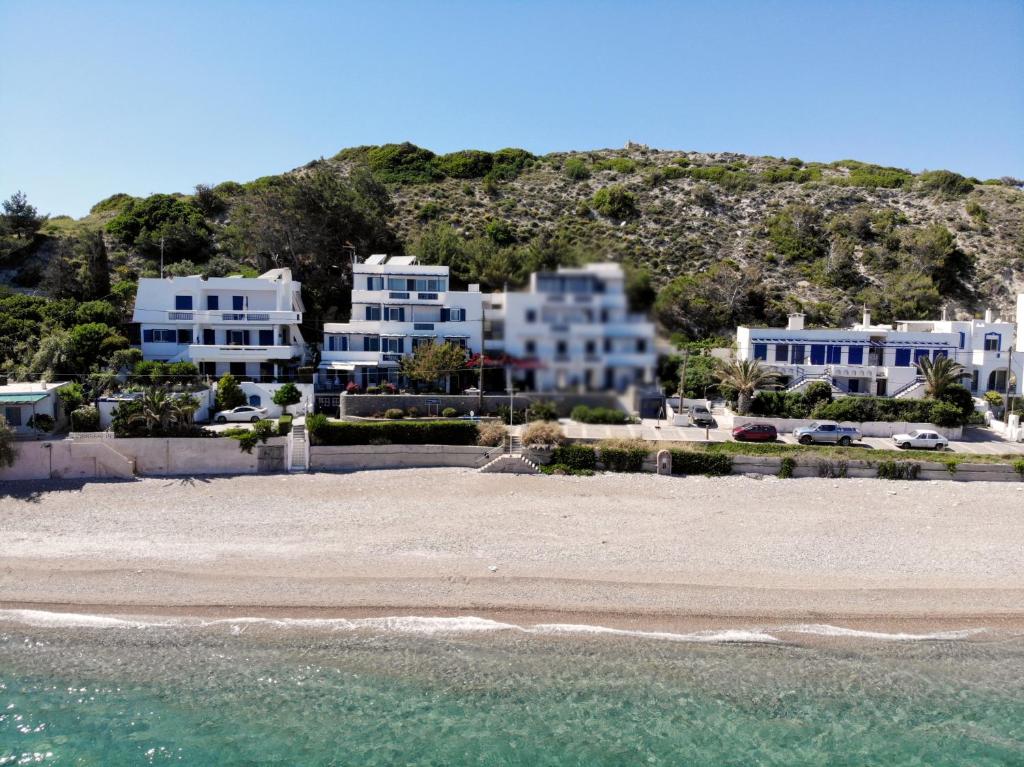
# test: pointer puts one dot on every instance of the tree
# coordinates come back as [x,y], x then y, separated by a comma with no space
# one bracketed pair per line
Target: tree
[958,395]
[934,250]
[92,344]
[797,233]
[178,222]
[698,305]
[95,271]
[53,357]
[744,377]
[8,451]
[156,411]
[229,393]
[19,217]
[288,394]
[71,396]
[939,374]
[431,361]
[97,311]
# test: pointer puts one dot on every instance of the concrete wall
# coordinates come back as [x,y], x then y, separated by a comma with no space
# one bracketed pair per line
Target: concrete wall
[265,391]
[815,466]
[150,456]
[367,404]
[356,457]
[867,428]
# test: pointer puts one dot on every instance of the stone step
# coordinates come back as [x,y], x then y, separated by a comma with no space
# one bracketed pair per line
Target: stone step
[510,464]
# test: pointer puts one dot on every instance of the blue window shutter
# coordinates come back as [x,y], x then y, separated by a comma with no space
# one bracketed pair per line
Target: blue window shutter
[183,303]
[855,355]
[367,313]
[963,339]
[760,351]
[266,338]
[401,346]
[237,303]
[366,343]
[245,337]
[920,354]
[817,354]
[835,354]
[940,353]
[330,343]
[903,358]
[444,315]
[213,303]
[147,335]
[209,337]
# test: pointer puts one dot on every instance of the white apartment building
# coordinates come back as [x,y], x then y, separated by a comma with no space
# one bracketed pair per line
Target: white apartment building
[397,304]
[575,324]
[881,360]
[245,326]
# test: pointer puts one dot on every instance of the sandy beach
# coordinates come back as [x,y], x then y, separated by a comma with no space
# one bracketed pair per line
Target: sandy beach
[616,549]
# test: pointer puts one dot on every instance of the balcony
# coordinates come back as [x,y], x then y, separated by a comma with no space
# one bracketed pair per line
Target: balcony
[219,317]
[230,353]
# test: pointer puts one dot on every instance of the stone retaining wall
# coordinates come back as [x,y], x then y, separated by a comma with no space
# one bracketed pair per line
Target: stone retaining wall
[359,457]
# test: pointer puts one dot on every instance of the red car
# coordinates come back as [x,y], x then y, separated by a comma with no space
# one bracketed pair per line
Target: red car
[755,432]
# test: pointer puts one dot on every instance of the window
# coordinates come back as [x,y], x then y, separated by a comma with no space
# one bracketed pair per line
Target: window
[237,337]
[183,303]
[394,313]
[782,352]
[13,416]
[817,354]
[834,354]
[903,358]
[562,349]
[531,347]
[330,344]
[992,342]
[371,344]
[238,303]
[760,351]
[939,353]
[160,336]
[375,283]
[591,348]
[399,283]
[184,336]
[266,338]
[457,341]
[799,355]
[853,385]
[974,380]
[430,284]
[531,315]
[920,354]
[255,400]
[392,345]
[419,341]
[453,315]
[608,345]
[855,355]
[212,303]
[209,337]
[237,368]
[641,345]
[373,313]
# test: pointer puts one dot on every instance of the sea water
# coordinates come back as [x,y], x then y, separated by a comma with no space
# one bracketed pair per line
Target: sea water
[92,690]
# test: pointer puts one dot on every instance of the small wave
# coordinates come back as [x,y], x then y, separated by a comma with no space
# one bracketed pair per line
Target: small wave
[725,635]
[826,630]
[45,619]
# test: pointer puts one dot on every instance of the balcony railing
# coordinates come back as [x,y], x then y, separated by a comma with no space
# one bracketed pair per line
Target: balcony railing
[213,316]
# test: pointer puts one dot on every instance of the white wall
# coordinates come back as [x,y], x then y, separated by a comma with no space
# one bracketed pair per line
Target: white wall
[867,428]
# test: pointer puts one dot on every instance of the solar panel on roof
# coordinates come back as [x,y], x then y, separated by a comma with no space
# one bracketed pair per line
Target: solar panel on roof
[402,261]
[377,258]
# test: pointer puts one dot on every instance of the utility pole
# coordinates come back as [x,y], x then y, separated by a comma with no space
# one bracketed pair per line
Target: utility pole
[480,361]
[682,378]
[161,258]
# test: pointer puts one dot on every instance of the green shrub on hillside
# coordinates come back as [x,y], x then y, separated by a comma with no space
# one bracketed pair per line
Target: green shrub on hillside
[615,202]
[871,176]
[734,181]
[402,164]
[397,433]
[576,169]
[945,183]
[469,163]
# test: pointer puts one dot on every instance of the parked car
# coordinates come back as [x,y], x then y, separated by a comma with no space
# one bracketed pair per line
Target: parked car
[701,416]
[826,432]
[755,432]
[921,439]
[243,413]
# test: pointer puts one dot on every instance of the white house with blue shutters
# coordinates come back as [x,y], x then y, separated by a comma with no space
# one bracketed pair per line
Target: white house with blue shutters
[247,326]
[881,360]
[397,304]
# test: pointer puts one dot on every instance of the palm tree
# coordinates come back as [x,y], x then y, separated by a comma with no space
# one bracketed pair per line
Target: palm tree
[745,377]
[939,374]
[184,409]
[156,411]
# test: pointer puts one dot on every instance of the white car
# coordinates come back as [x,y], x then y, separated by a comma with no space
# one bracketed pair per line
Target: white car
[920,439]
[243,413]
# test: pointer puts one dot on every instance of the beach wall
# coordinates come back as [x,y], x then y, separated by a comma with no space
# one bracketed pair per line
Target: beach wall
[359,457]
[815,466]
[867,428]
[125,458]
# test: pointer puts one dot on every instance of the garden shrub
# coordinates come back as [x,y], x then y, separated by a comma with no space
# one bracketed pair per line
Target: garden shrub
[709,464]
[542,434]
[1018,466]
[898,470]
[315,425]
[946,414]
[623,455]
[394,413]
[561,469]
[786,467]
[575,457]
[780,404]
[449,412]
[398,432]
[542,411]
[491,433]
[859,409]
[85,419]
[284,425]
[599,415]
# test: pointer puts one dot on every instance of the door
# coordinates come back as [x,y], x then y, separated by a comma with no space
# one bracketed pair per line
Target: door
[880,387]
[209,337]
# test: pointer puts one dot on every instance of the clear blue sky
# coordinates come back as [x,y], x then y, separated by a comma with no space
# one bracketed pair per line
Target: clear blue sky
[101,97]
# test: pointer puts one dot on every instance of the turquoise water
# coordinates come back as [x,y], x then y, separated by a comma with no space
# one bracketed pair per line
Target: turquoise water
[236,693]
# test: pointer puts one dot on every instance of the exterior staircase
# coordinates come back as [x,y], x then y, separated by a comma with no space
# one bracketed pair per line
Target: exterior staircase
[515,444]
[299,452]
[510,464]
[909,390]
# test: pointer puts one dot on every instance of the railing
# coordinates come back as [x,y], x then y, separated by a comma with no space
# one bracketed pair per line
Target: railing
[919,380]
[214,315]
[427,296]
[179,316]
[398,295]
[423,326]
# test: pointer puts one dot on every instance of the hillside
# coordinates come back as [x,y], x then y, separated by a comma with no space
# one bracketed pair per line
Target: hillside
[716,238]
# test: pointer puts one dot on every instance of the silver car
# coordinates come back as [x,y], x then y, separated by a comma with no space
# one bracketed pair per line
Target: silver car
[921,439]
[826,432]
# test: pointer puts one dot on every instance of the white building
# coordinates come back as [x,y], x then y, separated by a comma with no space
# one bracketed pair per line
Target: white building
[881,360]
[245,326]
[397,304]
[576,324]
[21,402]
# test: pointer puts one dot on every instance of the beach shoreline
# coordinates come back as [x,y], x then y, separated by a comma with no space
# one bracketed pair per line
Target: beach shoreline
[623,551]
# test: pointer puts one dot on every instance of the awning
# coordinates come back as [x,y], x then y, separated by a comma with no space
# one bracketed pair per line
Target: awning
[337,366]
[28,398]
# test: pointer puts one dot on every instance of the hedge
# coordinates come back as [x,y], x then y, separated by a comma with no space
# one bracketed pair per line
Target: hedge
[397,433]
[710,464]
[284,425]
[623,457]
[602,415]
[85,418]
[576,457]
